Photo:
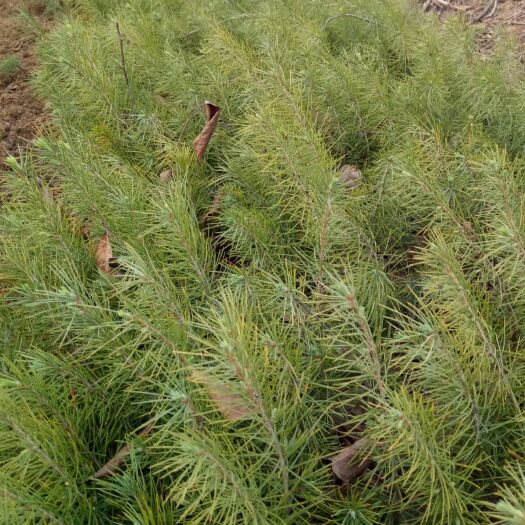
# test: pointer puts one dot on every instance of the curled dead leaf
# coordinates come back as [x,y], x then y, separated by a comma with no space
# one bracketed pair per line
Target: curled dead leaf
[104,254]
[350,176]
[166,175]
[228,402]
[347,464]
[114,463]
[203,138]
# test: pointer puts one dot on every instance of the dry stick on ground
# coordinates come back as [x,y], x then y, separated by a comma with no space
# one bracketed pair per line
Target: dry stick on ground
[489,10]
[514,19]
[123,61]
[114,463]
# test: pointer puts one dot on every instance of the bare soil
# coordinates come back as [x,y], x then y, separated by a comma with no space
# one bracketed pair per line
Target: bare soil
[489,14]
[21,113]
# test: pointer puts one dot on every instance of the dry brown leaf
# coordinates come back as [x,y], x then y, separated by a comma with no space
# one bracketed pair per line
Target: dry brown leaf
[84,230]
[350,176]
[73,396]
[215,205]
[228,402]
[346,466]
[212,118]
[114,463]
[166,175]
[104,254]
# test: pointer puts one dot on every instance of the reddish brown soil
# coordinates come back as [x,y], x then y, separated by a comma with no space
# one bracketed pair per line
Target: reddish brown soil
[21,113]
[492,14]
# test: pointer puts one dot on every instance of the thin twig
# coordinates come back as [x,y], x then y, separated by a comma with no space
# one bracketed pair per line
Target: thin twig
[123,60]
[515,17]
[109,468]
[351,15]
[489,10]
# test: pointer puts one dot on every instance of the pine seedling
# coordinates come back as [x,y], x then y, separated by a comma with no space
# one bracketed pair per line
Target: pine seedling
[303,346]
[9,65]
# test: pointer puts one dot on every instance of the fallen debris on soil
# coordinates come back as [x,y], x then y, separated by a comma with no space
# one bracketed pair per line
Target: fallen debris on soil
[491,14]
[21,114]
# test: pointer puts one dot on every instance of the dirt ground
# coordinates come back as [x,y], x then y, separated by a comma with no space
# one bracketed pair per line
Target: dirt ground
[490,14]
[21,114]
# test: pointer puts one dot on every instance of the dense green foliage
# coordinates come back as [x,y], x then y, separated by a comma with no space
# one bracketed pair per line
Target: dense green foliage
[393,312]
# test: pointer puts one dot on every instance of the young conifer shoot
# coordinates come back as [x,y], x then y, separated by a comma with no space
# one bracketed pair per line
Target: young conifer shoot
[267,267]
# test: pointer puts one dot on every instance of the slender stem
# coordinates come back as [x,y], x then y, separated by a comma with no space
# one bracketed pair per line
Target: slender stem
[323,240]
[253,392]
[123,61]
[370,343]
[276,444]
[463,381]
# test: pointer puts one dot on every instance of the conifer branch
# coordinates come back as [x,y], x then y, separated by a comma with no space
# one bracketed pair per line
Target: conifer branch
[30,507]
[370,343]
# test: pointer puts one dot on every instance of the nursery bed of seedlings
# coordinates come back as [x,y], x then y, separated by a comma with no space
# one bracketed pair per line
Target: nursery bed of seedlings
[268,268]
